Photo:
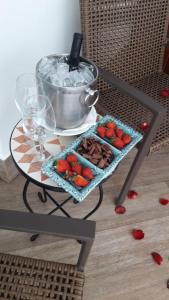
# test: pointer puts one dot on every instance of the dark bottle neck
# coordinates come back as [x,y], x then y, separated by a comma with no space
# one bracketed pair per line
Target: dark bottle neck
[74,57]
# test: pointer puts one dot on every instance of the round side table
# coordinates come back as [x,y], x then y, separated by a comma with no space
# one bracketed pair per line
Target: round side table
[24,155]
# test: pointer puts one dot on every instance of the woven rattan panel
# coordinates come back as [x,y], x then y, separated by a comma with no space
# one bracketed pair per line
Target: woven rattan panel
[30,279]
[132,113]
[125,37]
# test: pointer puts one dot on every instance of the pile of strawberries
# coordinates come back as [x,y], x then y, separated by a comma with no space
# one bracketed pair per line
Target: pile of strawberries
[73,171]
[114,135]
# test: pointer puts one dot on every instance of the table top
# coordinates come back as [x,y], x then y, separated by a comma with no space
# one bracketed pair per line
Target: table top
[24,154]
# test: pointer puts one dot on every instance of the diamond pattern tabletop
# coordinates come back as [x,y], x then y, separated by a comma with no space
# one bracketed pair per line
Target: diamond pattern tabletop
[24,153]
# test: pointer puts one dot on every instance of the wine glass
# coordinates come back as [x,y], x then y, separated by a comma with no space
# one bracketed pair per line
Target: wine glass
[26,85]
[38,121]
[36,111]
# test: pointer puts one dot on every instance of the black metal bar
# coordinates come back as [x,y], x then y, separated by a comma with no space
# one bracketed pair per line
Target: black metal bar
[58,205]
[97,205]
[36,235]
[25,196]
[142,152]
[158,112]
[42,197]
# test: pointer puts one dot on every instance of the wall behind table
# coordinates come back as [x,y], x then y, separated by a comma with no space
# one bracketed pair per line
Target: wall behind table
[29,30]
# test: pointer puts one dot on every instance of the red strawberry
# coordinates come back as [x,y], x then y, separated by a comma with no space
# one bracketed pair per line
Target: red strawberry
[110,133]
[101,130]
[62,166]
[126,139]
[119,132]
[88,173]
[71,158]
[111,125]
[80,181]
[77,168]
[118,143]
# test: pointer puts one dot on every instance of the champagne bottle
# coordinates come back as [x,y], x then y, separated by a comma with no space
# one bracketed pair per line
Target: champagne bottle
[74,57]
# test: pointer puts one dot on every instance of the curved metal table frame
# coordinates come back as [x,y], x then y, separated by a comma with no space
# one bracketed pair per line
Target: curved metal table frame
[45,196]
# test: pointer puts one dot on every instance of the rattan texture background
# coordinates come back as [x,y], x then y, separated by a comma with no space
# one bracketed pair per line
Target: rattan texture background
[127,37]
[31,279]
[132,113]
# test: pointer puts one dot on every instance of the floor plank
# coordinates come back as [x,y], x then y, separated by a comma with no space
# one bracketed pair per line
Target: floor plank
[119,268]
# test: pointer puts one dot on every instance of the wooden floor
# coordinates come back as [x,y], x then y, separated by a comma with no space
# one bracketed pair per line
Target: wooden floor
[119,267]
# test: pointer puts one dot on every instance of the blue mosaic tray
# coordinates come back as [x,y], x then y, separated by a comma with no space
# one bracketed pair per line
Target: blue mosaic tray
[99,174]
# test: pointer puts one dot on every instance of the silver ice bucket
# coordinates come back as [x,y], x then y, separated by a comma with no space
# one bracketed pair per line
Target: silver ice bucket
[71,104]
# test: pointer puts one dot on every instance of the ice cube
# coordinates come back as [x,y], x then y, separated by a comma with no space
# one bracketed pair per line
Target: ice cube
[56,71]
[55,80]
[62,69]
[86,73]
[77,78]
[62,59]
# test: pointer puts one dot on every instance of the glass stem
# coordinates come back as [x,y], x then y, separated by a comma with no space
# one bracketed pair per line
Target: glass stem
[40,133]
[40,149]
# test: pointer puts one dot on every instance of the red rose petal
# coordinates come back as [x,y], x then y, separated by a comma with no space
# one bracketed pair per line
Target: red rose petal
[164,93]
[144,126]
[132,195]
[157,258]
[119,209]
[138,234]
[163,201]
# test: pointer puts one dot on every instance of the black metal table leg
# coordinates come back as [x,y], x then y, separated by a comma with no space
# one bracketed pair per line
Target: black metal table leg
[34,236]
[25,196]
[96,207]
[58,205]
[42,197]
[98,204]
[75,201]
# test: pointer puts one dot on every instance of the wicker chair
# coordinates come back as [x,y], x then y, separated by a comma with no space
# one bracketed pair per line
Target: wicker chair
[24,278]
[126,38]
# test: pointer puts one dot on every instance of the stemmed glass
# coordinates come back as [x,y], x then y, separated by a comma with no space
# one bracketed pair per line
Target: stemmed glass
[36,110]
[26,86]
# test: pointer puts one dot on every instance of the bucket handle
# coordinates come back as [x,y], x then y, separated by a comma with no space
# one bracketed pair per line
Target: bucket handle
[91,93]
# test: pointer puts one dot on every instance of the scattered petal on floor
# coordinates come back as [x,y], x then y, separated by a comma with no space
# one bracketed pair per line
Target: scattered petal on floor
[132,195]
[119,209]
[144,126]
[163,201]
[164,93]
[138,234]
[157,258]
